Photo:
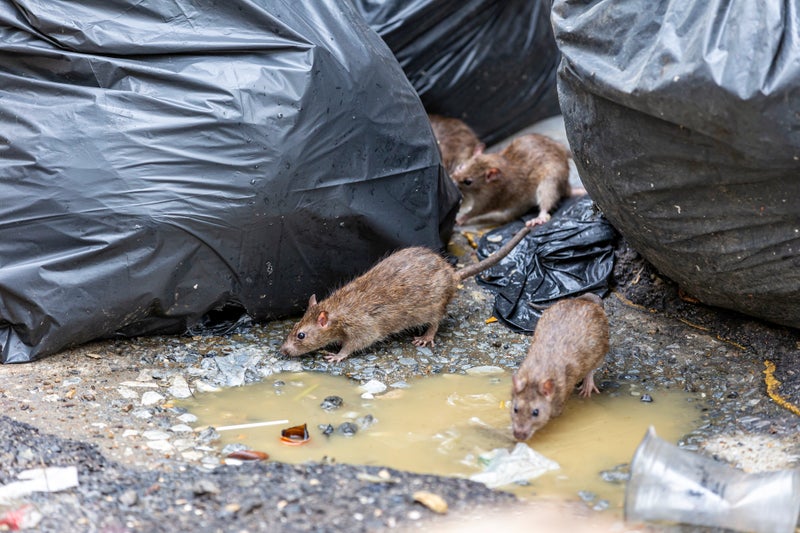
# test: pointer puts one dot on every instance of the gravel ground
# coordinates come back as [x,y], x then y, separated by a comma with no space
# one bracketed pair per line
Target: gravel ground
[108,408]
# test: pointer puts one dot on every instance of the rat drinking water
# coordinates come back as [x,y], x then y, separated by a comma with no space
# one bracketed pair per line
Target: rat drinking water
[569,343]
[409,288]
[498,187]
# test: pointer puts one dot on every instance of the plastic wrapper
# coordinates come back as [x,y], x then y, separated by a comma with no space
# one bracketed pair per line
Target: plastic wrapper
[492,64]
[571,255]
[683,122]
[163,160]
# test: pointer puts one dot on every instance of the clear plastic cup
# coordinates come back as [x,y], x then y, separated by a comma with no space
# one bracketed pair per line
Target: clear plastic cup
[675,485]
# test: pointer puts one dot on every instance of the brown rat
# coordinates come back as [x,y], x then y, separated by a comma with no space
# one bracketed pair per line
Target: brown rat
[498,187]
[570,341]
[457,141]
[409,288]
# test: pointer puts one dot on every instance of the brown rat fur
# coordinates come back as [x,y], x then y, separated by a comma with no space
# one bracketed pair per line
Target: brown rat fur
[409,288]
[569,343]
[457,141]
[498,187]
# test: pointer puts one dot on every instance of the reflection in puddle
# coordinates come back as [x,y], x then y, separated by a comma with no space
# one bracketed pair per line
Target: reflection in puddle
[441,424]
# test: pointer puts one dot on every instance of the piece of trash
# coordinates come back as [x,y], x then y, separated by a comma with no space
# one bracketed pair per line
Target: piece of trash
[385,478]
[504,468]
[327,429]
[51,479]
[674,485]
[252,425]
[25,517]
[248,455]
[432,501]
[491,320]
[295,435]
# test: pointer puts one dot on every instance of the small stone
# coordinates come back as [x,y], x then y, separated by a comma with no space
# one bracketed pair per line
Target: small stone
[332,403]
[348,429]
[205,486]
[159,445]
[367,396]
[181,428]
[139,384]
[414,515]
[407,361]
[187,418]
[129,498]
[144,414]
[601,505]
[424,350]
[155,434]
[646,398]
[130,433]
[399,385]
[152,398]
[373,386]
[326,429]
[192,455]
[127,393]
[202,386]
[365,421]
[586,495]
[179,388]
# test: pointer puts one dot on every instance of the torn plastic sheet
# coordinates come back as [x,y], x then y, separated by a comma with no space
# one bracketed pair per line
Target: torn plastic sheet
[521,464]
[570,255]
[162,160]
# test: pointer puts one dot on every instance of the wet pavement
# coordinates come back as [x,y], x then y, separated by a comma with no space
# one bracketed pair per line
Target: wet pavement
[112,409]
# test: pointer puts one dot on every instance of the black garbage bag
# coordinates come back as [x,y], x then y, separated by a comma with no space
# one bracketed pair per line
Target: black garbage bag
[683,118]
[492,64]
[164,159]
[571,255]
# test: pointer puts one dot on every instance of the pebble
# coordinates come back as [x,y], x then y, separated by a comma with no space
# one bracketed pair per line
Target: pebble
[202,386]
[188,418]
[181,428]
[143,414]
[129,498]
[130,433]
[155,434]
[424,350]
[139,384]
[373,386]
[407,361]
[159,445]
[400,385]
[127,393]
[152,398]
[179,388]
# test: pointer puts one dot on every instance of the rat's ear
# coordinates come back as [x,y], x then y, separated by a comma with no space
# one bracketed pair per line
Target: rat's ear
[518,383]
[478,149]
[492,174]
[312,301]
[322,319]
[547,387]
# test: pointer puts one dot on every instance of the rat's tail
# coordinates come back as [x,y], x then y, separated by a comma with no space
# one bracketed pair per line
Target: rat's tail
[495,258]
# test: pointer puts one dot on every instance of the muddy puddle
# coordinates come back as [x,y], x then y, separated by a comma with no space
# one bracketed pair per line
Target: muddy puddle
[441,425]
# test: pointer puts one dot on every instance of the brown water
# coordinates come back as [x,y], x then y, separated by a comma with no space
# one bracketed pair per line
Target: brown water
[440,424]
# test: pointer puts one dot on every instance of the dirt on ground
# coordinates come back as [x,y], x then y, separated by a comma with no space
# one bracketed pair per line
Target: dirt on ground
[110,409]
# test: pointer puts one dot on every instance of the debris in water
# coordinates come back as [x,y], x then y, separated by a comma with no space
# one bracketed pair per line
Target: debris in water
[503,468]
[249,455]
[332,403]
[295,435]
[253,425]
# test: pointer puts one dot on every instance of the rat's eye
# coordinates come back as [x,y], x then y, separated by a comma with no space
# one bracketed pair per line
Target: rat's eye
[535,412]
[467,182]
[516,409]
[301,335]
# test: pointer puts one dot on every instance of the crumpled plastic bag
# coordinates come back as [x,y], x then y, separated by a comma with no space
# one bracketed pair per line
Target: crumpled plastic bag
[571,255]
[504,467]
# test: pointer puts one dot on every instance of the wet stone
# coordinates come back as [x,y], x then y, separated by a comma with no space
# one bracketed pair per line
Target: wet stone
[348,429]
[586,495]
[617,475]
[129,498]
[646,398]
[407,361]
[326,429]
[331,403]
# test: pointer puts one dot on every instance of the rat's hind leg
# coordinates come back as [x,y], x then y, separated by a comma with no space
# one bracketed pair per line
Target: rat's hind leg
[588,386]
[427,337]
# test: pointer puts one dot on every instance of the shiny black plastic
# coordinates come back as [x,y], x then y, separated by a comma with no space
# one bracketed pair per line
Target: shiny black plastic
[571,255]
[683,118]
[492,64]
[160,160]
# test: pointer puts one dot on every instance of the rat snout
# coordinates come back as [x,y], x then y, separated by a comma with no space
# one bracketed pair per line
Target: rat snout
[522,434]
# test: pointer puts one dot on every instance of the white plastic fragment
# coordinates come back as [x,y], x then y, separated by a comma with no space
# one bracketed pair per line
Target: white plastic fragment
[373,386]
[51,479]
[521,464]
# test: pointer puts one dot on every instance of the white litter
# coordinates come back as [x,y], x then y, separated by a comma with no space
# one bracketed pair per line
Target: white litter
[503,468]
